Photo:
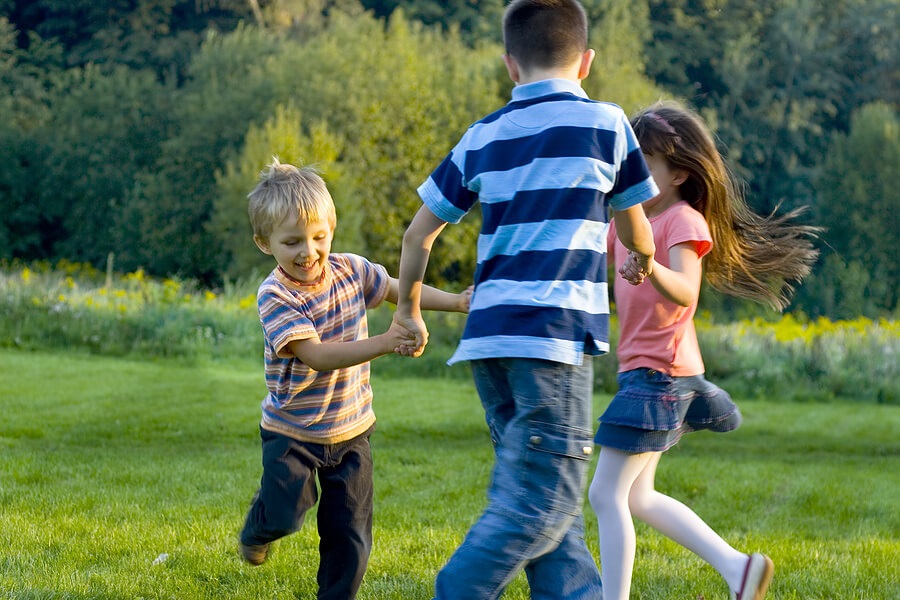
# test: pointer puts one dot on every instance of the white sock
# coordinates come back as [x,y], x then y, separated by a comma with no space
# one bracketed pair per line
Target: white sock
[622,487]
[615,474]
[679,523]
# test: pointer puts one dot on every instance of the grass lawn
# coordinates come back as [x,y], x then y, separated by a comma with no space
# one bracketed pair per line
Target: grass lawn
[124,479]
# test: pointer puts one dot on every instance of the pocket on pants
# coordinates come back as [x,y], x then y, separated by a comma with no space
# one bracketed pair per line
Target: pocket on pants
[556,460]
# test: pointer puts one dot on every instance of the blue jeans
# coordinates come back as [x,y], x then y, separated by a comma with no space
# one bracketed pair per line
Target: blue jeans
[539,416]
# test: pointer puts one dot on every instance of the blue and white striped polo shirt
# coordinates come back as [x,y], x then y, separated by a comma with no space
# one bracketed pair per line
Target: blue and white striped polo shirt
[545,169]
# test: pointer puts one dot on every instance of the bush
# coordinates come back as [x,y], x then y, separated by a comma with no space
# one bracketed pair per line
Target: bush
[72,307]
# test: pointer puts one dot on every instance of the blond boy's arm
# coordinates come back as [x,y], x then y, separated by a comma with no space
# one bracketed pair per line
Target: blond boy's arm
[327,356]
[434,298]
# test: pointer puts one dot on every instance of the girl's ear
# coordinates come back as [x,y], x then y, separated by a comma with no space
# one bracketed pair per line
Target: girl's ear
[679,176]
[262,244]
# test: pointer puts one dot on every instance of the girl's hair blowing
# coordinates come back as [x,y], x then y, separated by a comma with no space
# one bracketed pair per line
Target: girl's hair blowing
[754,257]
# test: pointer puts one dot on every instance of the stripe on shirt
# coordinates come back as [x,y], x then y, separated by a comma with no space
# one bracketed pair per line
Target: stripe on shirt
[590,297]
[543,237]
[544,266]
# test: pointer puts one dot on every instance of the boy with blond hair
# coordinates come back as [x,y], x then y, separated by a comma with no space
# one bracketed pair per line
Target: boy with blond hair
[317,416]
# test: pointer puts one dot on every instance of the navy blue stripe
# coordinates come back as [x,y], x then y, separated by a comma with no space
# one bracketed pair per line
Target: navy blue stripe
[632,171]
[536,206]
[554,97]
[555,142]
[536,321]
[587,265]
[520,104]
[448,177]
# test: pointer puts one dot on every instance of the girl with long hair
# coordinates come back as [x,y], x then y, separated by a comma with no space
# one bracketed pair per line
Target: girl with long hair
[700,222]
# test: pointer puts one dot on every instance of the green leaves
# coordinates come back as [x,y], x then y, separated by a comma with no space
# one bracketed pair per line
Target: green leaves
[138,128]
[858,206]
[375,122]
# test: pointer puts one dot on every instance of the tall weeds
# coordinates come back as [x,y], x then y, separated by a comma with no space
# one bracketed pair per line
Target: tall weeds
[72,307]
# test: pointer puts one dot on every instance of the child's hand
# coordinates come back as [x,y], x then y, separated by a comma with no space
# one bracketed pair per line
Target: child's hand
[465,299]
[414,344]
[633,271]
[400,339]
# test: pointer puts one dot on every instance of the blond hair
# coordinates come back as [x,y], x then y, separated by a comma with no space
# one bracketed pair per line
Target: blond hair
[754,257]
[284,190]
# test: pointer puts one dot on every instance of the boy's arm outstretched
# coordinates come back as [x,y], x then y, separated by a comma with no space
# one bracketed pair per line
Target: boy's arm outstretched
[327,356]
[435,299]
[417,243]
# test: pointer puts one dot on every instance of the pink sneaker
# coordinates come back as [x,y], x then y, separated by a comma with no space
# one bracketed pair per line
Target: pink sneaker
[757,577]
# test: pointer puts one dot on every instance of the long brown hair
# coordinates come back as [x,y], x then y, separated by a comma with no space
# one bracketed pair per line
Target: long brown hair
[755,257]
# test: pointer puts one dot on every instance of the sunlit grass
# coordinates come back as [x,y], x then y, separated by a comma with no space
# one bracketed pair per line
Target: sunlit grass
[129,479]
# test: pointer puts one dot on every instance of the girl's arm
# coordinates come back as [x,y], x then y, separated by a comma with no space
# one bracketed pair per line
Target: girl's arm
[679,282]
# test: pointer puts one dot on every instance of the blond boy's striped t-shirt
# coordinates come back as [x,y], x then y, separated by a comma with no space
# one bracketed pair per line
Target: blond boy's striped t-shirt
[323,407]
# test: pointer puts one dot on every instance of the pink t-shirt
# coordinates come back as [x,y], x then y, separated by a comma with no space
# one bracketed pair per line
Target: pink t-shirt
[656,333]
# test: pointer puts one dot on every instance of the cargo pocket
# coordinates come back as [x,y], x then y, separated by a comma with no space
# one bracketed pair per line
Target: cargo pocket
[556,462]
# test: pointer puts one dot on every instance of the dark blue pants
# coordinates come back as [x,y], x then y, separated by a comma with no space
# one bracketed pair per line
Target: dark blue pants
[288,489]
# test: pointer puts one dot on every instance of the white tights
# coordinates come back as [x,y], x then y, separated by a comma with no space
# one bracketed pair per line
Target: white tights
[623,486]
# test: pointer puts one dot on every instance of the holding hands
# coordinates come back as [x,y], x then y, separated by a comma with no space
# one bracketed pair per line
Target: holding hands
[636,268]
[416,332]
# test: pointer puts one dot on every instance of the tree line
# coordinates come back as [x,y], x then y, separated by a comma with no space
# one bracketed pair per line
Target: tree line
[135,128]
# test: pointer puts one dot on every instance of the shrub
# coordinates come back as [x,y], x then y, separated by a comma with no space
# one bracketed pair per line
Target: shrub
[68,306]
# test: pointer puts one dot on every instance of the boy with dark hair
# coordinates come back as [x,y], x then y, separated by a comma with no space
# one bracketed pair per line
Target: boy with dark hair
[546,169]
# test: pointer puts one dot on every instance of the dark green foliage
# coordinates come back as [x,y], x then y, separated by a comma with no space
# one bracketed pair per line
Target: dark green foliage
[774,78]
[858,206]
[135,127]
[159,35]
[476,21]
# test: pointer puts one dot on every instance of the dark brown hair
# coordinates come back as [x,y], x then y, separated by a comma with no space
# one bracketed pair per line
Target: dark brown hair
[754,257]
[545,33]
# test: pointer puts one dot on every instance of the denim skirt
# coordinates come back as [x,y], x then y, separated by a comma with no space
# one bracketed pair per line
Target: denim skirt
[652,410]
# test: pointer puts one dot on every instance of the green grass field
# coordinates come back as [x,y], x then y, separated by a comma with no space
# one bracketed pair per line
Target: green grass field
[122,479]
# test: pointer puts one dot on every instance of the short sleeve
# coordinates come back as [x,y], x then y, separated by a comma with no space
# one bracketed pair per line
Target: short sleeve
[633,184]
[373,278]
[445,192]
[689,227]
[282,321]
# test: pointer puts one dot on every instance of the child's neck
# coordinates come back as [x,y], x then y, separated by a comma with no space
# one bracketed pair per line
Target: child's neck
[544,76]
[536,75]
[662,204]
[572,72]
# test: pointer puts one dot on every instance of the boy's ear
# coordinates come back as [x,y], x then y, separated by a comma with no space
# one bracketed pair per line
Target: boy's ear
[512,67]
[584,69]
[262,244]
